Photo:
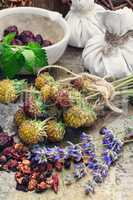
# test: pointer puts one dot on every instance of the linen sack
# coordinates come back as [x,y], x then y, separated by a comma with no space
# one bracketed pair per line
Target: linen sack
[82,21]
[111,53]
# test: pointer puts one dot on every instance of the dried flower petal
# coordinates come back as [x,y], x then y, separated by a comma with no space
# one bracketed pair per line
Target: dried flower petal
[55,184]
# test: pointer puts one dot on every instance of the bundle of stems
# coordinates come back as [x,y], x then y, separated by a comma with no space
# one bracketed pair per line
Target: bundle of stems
[99,89]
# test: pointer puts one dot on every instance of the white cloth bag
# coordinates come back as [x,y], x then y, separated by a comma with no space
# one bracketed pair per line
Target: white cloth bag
[82,21]
[111,54]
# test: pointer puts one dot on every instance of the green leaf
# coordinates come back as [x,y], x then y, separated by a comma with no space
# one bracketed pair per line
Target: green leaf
[8,38]
[14,58]
[11,62]
[41,56]
[30,60]
[33,45]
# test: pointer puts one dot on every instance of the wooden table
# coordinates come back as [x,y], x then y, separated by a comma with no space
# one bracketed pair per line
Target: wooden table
[119,184]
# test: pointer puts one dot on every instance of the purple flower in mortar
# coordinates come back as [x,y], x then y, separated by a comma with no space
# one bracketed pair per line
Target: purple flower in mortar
[11,29]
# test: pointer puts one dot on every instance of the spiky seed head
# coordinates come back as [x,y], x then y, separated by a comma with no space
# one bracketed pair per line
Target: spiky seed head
[32,132]
[33,104]
[79,116]
[78,83]
[43,79]
[19,117]
[55,130]
[63,98]
[10,90]
[46,92]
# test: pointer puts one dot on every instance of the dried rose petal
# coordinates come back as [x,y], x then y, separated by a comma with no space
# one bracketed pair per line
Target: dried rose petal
[58,166]
[19,180]
[55,184]
[26,162]
[8,151]
[35,175]
[42,186]
[19,177]
[19,147]
[3,159]
[24,168]
[32,184]
[5,141]
[49,167]
[10,165]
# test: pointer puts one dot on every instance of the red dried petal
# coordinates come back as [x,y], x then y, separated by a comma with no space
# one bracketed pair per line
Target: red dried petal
[42,186]
[19,180]
[59,166]
[26,162]
[55,184]
[49,167]
[18,175]
[20,148]
[11,164]
[24,168]
[32,185]
[3,159]
[5,140]
[7,151]
[35,175]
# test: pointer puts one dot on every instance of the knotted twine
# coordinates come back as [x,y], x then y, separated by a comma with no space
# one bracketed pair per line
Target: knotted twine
[97,84]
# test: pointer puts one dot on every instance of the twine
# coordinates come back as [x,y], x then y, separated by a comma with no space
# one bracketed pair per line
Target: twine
[98,85]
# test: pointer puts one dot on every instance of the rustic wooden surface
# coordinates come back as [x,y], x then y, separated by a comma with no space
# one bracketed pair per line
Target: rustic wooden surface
[55,5]
[119,184]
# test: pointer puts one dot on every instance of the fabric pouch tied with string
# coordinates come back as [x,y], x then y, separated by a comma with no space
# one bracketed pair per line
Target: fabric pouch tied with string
[82,21]
[111,53]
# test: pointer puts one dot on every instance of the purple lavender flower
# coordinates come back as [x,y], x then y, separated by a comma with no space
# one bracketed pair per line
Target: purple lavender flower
[104,171]
[38,155]
[97,177]
[105,131]
[107,158]
[67,164]
[88,148]
[110,157]
[74,152]
[89,188]
[108,139]
[79,171]
[92,165]
[85,138]
[117,146]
